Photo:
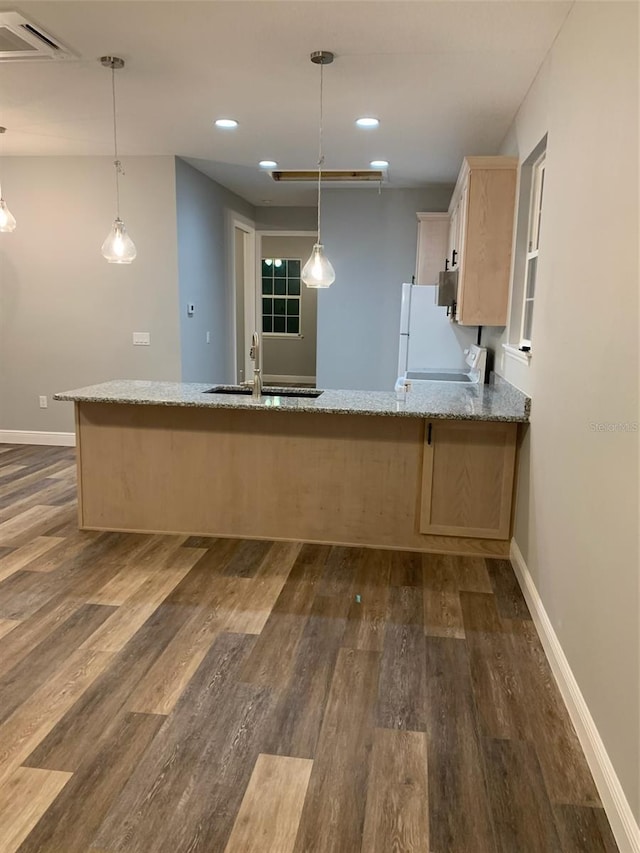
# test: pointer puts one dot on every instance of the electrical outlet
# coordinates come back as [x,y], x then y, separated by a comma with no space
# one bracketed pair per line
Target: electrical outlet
[141,339]
[43,402]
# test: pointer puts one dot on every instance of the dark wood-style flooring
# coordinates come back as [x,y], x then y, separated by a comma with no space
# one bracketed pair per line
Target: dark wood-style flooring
[181,694]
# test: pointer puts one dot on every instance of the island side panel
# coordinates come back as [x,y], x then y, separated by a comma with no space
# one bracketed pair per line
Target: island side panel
[348,479]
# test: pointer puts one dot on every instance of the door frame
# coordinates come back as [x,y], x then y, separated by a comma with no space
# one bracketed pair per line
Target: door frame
[258,274]
[249,290]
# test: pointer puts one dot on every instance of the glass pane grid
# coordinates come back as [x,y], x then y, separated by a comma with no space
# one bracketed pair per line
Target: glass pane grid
[281,302]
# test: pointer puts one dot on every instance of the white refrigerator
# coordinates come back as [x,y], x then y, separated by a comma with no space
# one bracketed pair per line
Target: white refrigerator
[428,339]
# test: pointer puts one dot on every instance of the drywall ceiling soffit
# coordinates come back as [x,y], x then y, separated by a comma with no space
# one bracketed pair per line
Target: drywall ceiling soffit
[445,78]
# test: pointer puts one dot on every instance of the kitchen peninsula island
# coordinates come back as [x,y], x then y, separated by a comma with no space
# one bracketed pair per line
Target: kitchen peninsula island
[433,472]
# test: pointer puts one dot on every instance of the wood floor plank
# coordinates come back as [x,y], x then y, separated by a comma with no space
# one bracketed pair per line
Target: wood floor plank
[21,733]
[406,569]
[583,829]
[197,775]
[25,795]
[401,694]
[272,805]
[522,814]
[160,689]
[333,816]
[72,821]
[339,571]
[23,593]
[129,618]
[564,766]
[22,557]
[443,614]
[366,621]
[82,730]
[31,631]
[7,625]
[35,521]
[498,683]
[397,812]
[459,812]
[301,705]
[272,659]
[32,671]
[247,558]
[258,599]
[509,597]
[455,574]
[279,560]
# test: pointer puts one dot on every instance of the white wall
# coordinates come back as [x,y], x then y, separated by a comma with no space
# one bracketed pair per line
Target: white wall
[205,250]
[577,512]
[66,315]
[371,240]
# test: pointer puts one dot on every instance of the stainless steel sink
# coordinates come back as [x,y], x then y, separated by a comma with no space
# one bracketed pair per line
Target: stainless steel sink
[266,392]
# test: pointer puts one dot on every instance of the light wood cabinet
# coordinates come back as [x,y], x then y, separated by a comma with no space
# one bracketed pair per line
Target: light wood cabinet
[468,478]
[433,234]
[480,238]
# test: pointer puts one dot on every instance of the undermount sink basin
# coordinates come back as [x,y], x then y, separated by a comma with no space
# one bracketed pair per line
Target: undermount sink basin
[266,392]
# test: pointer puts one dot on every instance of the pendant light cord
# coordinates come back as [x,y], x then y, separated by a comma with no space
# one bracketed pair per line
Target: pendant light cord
[116,161]
[320,157]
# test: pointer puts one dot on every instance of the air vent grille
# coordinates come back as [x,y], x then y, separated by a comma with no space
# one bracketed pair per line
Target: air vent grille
[336,175]
[22,40]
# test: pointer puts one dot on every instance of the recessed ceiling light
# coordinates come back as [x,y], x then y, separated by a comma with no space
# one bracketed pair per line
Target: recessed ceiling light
[379,164]
[367,122]
[226,122]
[267,164]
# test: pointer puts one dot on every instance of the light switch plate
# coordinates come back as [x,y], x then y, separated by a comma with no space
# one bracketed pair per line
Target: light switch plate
[141,339]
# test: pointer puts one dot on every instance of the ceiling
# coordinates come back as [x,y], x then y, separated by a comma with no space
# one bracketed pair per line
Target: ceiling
[444,78]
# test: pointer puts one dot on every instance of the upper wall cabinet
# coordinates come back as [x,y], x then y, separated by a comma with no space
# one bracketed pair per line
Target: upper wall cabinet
[433,234]
[480,237]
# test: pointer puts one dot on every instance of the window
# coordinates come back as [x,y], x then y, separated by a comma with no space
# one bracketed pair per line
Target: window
[281,303]
[533,247]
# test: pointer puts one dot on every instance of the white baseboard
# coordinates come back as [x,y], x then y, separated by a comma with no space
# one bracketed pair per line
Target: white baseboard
[616,805]
[302,380]
[26,436]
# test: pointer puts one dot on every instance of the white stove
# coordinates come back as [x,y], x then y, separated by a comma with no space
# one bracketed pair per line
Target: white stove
[475,358]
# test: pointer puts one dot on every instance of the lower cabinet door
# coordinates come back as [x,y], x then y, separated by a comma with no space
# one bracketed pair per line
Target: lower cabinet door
[467,478]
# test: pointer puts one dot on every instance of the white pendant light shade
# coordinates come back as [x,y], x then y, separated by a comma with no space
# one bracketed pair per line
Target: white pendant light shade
[7,219]
[318,272]
[118,248]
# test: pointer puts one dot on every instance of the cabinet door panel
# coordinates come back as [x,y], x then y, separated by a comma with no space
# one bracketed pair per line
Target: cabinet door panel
[467,480]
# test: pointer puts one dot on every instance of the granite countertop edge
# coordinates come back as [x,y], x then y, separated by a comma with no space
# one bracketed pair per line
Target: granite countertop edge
[498,401]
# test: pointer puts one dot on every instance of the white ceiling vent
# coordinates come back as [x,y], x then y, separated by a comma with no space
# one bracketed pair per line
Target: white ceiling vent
[22,40]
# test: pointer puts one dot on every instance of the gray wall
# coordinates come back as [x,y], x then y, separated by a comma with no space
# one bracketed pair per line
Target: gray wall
[66,315]
[576,521]
[371,241]
[205,248]
[286,219]
[293,356]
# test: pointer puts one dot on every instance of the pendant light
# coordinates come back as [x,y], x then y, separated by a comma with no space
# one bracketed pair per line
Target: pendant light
[318,272]
[118,248]
[7,219]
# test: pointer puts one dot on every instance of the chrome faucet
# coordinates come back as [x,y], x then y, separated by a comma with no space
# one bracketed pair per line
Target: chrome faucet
[254,355]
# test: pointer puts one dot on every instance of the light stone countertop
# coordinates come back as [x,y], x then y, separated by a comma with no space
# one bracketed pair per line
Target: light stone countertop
[453,401]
